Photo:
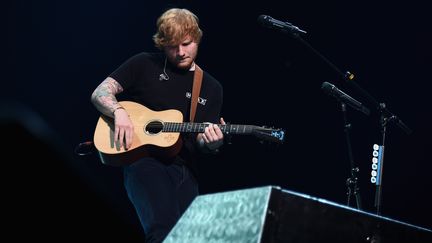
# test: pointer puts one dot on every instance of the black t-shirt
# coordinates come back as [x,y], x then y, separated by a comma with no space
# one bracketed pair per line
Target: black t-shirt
[139,77]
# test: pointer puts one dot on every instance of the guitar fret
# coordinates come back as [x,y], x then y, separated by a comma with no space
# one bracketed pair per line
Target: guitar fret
[189,127]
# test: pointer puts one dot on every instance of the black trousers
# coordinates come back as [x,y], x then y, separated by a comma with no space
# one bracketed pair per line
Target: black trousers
[160,194]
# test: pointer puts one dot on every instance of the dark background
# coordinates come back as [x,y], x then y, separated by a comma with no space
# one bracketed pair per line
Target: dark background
[56,53]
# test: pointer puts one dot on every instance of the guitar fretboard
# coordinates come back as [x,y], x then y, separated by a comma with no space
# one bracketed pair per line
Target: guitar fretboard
[199,128]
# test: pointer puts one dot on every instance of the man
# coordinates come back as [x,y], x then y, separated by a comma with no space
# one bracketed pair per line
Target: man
[159,190]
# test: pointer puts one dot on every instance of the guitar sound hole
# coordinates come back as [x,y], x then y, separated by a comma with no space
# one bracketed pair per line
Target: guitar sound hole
[154,127]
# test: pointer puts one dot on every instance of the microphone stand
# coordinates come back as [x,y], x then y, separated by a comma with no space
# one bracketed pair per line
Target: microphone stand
[351,182]
[385,115]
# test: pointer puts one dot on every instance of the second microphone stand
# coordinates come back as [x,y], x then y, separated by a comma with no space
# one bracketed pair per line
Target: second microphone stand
[352,181]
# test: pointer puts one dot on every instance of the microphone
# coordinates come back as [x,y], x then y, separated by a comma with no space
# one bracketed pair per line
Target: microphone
[332,90]
[270,22]
[163,76]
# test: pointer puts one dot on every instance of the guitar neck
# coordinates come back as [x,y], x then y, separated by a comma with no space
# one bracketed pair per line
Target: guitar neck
[192,127]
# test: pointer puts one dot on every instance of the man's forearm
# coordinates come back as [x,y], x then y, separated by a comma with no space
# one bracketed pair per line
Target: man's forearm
[104,98]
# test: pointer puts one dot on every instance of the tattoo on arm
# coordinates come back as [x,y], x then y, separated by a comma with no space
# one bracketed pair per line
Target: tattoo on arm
[103,96]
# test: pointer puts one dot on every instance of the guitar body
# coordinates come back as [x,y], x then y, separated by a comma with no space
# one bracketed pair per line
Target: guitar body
[164,145]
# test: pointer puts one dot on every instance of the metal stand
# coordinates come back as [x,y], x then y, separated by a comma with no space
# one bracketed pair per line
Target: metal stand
[384,121]
[351,182]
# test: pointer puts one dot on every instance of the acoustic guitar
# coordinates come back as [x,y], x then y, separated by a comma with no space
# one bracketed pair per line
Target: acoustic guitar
[157,133]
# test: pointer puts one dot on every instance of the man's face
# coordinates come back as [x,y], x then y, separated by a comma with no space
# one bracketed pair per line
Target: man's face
[182,55]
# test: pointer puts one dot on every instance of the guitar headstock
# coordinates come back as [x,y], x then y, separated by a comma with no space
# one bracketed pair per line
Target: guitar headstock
[269,134]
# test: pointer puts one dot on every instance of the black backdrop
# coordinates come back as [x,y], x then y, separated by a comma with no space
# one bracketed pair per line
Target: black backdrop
[56,53]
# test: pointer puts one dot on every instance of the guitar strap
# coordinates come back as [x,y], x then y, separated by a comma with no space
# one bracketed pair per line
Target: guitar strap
[197,81]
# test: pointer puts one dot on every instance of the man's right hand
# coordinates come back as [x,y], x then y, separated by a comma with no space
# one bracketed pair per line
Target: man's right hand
[123,132]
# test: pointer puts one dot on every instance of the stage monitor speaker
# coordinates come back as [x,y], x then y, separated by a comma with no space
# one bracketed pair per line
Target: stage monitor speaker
[271,214]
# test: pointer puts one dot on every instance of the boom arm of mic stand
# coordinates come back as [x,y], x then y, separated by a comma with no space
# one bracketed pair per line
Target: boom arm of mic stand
[348,77]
